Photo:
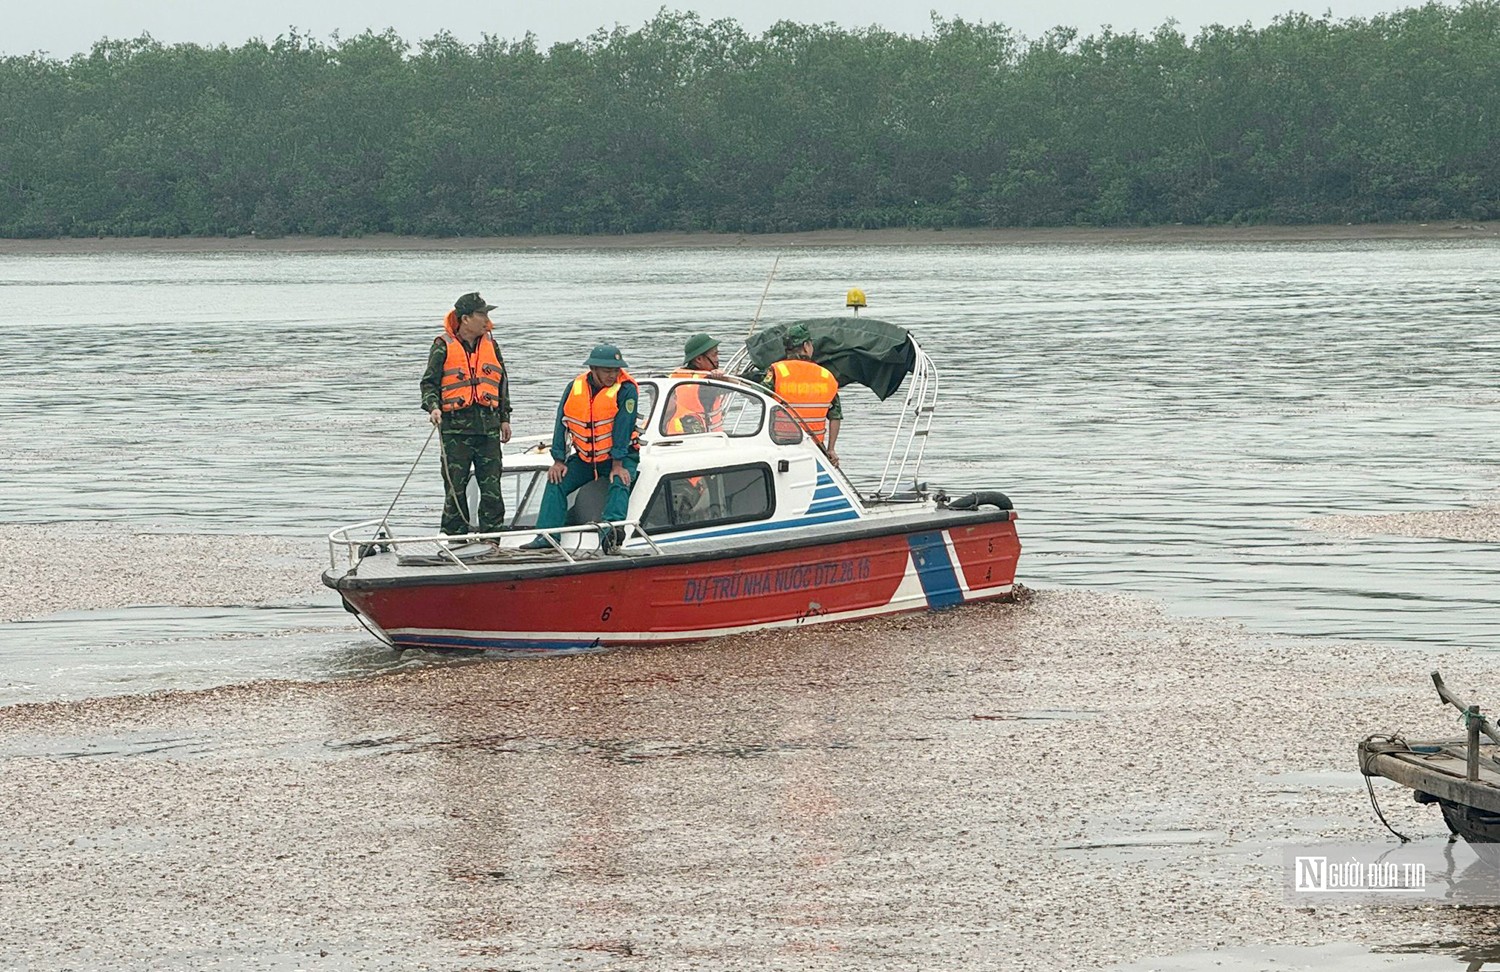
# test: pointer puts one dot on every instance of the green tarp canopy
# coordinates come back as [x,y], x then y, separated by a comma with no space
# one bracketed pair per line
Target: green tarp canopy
[858,350]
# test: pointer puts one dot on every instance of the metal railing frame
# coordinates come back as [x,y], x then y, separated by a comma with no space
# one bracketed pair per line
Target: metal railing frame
[915,422]
[340,537]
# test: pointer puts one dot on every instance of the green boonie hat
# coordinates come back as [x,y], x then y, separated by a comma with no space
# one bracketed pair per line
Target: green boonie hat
[696,345]
[605,356]
[797,335]
[470,304]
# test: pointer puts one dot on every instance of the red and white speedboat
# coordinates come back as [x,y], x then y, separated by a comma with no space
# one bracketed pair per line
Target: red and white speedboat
[738,529]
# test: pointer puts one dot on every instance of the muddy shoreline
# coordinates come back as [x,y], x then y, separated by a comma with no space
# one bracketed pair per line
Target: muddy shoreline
[47,568]
[1072,236]
[1072,781]
[1476,524]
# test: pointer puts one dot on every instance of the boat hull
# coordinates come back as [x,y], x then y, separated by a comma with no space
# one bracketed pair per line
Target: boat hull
[1474,825]
[664,599]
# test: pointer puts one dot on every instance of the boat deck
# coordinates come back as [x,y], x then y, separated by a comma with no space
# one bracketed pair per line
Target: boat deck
[1439,768]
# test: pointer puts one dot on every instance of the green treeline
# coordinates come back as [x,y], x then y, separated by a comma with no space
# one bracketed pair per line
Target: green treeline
[687,125]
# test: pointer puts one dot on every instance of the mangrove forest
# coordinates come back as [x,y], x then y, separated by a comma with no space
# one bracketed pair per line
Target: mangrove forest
[692,125]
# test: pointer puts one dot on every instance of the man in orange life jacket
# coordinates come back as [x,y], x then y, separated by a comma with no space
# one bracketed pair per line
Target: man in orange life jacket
[696,408]
[809,388]
[466,393]
[597,418]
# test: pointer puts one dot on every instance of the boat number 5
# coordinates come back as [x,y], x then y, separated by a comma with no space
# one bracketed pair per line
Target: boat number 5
[607,612]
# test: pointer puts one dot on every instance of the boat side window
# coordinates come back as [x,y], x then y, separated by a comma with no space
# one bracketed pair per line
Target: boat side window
[709,497]
[784,427]
[522,491]
[694,407]
[646,400]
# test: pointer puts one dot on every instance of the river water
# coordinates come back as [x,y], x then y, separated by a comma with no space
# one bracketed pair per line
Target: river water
[1165,417]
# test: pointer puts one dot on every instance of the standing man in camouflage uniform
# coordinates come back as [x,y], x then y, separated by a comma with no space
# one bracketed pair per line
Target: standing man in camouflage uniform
[467,394]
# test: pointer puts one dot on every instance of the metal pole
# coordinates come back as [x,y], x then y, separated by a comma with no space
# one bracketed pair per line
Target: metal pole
[1473,720]
[769,277]
[382,530]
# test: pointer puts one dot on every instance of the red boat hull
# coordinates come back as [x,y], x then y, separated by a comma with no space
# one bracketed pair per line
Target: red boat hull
[667,599]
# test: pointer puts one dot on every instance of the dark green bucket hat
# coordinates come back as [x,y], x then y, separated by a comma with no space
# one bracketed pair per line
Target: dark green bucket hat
[605,356]
[696,345]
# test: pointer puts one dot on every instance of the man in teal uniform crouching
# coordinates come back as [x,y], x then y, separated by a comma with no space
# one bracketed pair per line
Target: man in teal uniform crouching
[594,436]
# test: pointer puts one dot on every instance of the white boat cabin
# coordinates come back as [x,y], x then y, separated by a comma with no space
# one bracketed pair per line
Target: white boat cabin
[718,458]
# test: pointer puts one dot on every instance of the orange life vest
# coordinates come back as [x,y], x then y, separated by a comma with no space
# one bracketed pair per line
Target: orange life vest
[809,388]
[469,379]
[590,418]
[688,403]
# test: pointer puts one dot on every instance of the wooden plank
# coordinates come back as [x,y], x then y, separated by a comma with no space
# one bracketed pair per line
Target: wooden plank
[1442,775]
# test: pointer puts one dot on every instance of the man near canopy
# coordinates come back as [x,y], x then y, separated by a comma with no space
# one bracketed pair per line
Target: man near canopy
[700,353]
[810,388]
[466,394]
[597,419]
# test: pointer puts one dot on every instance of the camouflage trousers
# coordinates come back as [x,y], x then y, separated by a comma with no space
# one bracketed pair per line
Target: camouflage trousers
[481,454]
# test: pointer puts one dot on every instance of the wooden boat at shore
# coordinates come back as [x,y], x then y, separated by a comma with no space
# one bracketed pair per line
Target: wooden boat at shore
[1462,776]
[742,527]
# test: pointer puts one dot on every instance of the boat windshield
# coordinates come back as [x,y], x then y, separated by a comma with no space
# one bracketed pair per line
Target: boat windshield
[647,392]
[694,407]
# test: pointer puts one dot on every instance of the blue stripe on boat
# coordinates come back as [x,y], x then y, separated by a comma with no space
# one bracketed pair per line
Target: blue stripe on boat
[823,492]
[827,506]
[935,569]
[801,521]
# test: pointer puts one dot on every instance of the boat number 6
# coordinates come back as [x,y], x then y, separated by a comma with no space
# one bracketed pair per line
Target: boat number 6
[607,612]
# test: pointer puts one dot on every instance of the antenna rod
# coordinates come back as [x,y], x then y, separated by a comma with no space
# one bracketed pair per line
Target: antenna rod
[772,276]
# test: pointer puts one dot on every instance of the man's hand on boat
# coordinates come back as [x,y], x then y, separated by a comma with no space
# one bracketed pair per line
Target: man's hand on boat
[436,415]
[833,457]
[617,471]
